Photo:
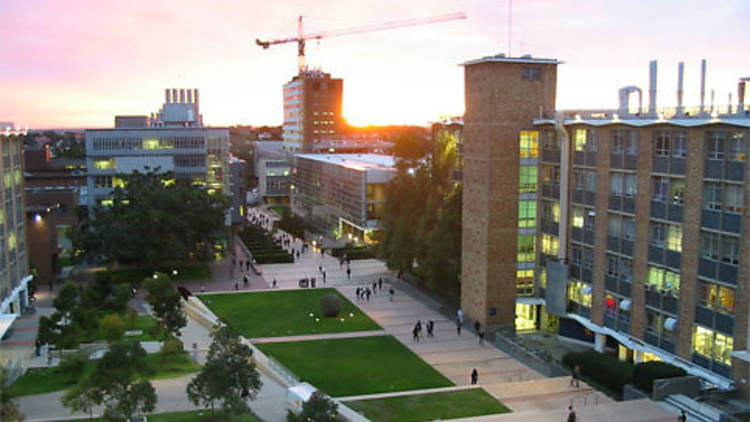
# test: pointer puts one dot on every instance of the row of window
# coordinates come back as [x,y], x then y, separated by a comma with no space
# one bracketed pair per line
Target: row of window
[528,144]
[168,142]
[720,247]
[665,235]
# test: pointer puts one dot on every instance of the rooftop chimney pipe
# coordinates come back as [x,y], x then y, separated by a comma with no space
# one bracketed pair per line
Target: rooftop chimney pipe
[652,88]
[195,95]
[741,97]
[703,85]
[174,95]
[680,74]
[190,96]
[182,95]
[166,96]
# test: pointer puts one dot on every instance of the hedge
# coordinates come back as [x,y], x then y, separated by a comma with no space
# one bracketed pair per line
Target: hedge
[605,369]
[361,252]
[263,247]
[274,258]
[644,374]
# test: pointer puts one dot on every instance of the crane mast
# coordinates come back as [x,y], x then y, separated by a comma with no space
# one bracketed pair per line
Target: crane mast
[302,37]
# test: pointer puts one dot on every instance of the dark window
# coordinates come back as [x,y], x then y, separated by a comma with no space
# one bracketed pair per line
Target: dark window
[532,73]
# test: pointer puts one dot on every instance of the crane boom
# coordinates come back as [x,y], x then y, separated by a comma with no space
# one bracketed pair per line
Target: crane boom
[302,37]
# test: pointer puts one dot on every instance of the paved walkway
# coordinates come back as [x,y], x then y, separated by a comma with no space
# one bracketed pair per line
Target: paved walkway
[326,336]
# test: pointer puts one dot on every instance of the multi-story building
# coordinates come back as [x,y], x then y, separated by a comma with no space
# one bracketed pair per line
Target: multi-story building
[236,168]
[273,166]
[183,147]
[503,95]
[641,225]
[14,269]
[312,109]
[342,194]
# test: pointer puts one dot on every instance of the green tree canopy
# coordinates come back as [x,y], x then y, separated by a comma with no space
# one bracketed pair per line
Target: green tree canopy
[8,408]
[228,377]
[154,220]
[318,408]
[165,302]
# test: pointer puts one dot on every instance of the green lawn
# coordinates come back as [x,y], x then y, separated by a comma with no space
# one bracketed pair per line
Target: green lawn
[354,366]
[192,416]
[47,380]
[427,407]
[285,313]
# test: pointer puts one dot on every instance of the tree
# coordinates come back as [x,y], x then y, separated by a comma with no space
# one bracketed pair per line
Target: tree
[117,382]
[154,219]
[229,375]
[113,327]
[165,302]
[8,408]
[82,398]
[318,408]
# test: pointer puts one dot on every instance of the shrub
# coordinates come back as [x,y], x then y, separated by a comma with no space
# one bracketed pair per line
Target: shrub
[644,374]
[74,364]
[330,305]
[112,327]
[605,369]
[172,346]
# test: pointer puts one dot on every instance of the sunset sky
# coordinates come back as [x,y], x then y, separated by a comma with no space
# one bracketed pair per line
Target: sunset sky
[77,63]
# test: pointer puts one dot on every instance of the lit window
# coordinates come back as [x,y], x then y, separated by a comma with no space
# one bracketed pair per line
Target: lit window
[526,213]
[580,139]
[578,217]
[580,293]
[525,248]
[550,244]
[674,237]
[529,144]
[712,345]
[528,179]
[105,164]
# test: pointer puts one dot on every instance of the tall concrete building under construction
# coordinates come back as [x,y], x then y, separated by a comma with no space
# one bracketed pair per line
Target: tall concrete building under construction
[312,110]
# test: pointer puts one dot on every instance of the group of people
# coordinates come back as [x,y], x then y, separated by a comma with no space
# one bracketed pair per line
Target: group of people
[417,330]
[367,291]
[477,326]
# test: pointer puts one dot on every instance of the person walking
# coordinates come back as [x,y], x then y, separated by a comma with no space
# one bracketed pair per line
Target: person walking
[419,327]
[380,283]
[274,285]
[682,417]
[324,276]
[320,268]
[349,274]
[245,281]
[374,286]
[571,414]
[430,327]
[358,292]
[391,293]
[459,324]
[460,315]
[474,376]
[415,334]
[477,327]
[574,379]
[481,337]
[367,293]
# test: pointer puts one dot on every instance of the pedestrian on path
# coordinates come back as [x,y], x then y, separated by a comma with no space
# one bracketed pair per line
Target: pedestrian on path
[324,276]
[367,293]
[349,277]
[415,334]
[358,292]
[274,285]
[419,326]
[474,376]
[391,292]
[459,324]
[374,286]
[236,285]
[320,268]
[574,379]
[460,315]
[481,337]
[380,283]
[245,281]
[682,417]
[430,327]
[571,414]
[477,327]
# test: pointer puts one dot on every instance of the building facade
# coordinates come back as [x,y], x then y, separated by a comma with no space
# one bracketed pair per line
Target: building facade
[312,109]
[14,268]
[175,141]
[503,95]
[342,194]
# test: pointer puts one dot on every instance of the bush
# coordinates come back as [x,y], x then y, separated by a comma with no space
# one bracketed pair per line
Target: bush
[172,346]
[74,364]
[644,374]
[330,305]
[354,252]
[605,369]
[112,327]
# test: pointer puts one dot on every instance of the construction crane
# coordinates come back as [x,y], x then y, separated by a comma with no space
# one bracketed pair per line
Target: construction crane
[302,37]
